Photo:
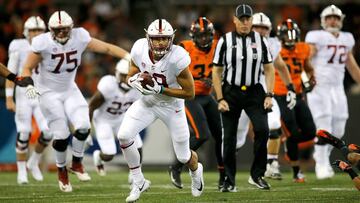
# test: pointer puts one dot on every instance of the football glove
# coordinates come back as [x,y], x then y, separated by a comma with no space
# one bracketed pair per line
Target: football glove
[291,97]
[156,89]
[31,92]
[24,81]
[135,82]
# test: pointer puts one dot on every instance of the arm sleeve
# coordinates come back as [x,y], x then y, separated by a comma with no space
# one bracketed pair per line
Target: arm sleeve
[219,55]
[267,58]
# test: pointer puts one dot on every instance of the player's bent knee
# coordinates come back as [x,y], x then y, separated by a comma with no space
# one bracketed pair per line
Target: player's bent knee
[44,138]
[82,134]
[60,145]
[275,134]
[22,143]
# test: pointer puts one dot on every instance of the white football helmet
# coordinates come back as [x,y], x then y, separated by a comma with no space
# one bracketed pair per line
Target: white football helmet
[260,19]
[32,23]
[331,10]
[60,25]
[122,67]
[160,28]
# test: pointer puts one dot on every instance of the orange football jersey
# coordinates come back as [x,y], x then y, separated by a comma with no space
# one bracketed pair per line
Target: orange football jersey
[295,60]
[200,66]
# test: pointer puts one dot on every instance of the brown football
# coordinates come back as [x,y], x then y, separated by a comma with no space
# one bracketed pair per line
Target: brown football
[147,80]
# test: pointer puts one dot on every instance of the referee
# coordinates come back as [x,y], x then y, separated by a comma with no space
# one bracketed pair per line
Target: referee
[239,59]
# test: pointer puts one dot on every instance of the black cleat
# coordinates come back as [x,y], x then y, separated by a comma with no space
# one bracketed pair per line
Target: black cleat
[259,182]
[326,137]
[227,187]
[175,177]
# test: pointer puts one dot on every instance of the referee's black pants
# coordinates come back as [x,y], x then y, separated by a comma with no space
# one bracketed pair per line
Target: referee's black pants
[252,101]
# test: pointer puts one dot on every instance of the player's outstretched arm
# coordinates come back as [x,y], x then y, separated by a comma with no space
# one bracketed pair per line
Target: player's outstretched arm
[5,73]
[99,46]
[95,102]
[353,67]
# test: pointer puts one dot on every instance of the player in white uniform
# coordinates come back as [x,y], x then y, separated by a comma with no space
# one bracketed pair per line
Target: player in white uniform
[25,108]
[107,108]
[173,82]
[332,52]
[261,23]
[58,54]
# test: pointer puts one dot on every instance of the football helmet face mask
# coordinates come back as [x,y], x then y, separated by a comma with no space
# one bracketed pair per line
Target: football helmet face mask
[289,33]
[33,23]
[202,33]
[160,36]
[261,20]
[60,25]
[333,27]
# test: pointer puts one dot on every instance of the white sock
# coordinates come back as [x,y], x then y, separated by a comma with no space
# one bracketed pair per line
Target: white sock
[78,147]
[137,175]
[21,167]
[35,158]
[60,158]
[132,157]
[272,156]
[321,155]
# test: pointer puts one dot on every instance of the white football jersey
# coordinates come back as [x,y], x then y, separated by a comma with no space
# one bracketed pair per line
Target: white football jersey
[59,62]
[275,48]
[329,61]
[117,101]
[18,52]
[164,71]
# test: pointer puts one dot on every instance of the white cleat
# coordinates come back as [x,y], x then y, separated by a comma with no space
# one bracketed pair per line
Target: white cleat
[137,190]
[197,181]
[99,164]
[273,171]
[35,171]
[64,183]
[80,173]
[65,187]
[323,172]
[22,179]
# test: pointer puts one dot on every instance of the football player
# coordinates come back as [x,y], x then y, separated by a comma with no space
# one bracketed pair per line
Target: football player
[58,55]
[262,24]
[297,122]
[107,107]
[24,108]
[202,113]
[173,82]
[332,52]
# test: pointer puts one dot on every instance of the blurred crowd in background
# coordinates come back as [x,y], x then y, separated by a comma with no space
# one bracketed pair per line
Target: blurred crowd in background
[123,21]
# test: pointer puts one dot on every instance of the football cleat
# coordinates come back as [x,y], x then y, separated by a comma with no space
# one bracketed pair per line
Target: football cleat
[175,177]
[354,148]
[323,172]
[22,178]
[327,137]
[299,178]
[137,189]
[35,170]
[99,164]
[78,170]
[273,171]
[197,181]
[259,182]
[64,183]
[342,165]
[227,187]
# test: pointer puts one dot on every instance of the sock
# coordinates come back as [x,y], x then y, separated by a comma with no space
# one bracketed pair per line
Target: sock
[21,166]
[76,159]
[137,175]
[132,157]
[60,159]
[35,158]
[78,147]
[296,170]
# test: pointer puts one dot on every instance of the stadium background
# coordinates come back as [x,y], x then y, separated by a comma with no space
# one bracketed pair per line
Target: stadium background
[123,21]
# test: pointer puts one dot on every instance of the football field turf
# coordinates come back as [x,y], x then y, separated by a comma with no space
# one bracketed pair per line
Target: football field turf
[114,188]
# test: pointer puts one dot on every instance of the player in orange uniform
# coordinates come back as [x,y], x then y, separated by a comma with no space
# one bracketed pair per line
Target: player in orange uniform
[298,122]
[202,112]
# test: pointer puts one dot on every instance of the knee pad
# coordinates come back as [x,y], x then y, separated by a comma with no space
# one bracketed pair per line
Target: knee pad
[60,145]
[106,157]
[22,142]
[82,134]
[275,134]
[44,138]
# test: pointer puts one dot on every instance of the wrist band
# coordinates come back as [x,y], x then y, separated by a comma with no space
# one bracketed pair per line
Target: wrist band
[11,77]
[9,92]
[219,100]
[162,89]
[269,94]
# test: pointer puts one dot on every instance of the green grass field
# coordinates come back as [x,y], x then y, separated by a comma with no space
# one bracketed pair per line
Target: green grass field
[114,188]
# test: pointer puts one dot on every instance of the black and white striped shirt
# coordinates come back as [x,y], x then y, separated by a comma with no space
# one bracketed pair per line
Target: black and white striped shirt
[242,57]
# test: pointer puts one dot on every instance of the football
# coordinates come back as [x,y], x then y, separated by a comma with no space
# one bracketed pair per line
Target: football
[147,79]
